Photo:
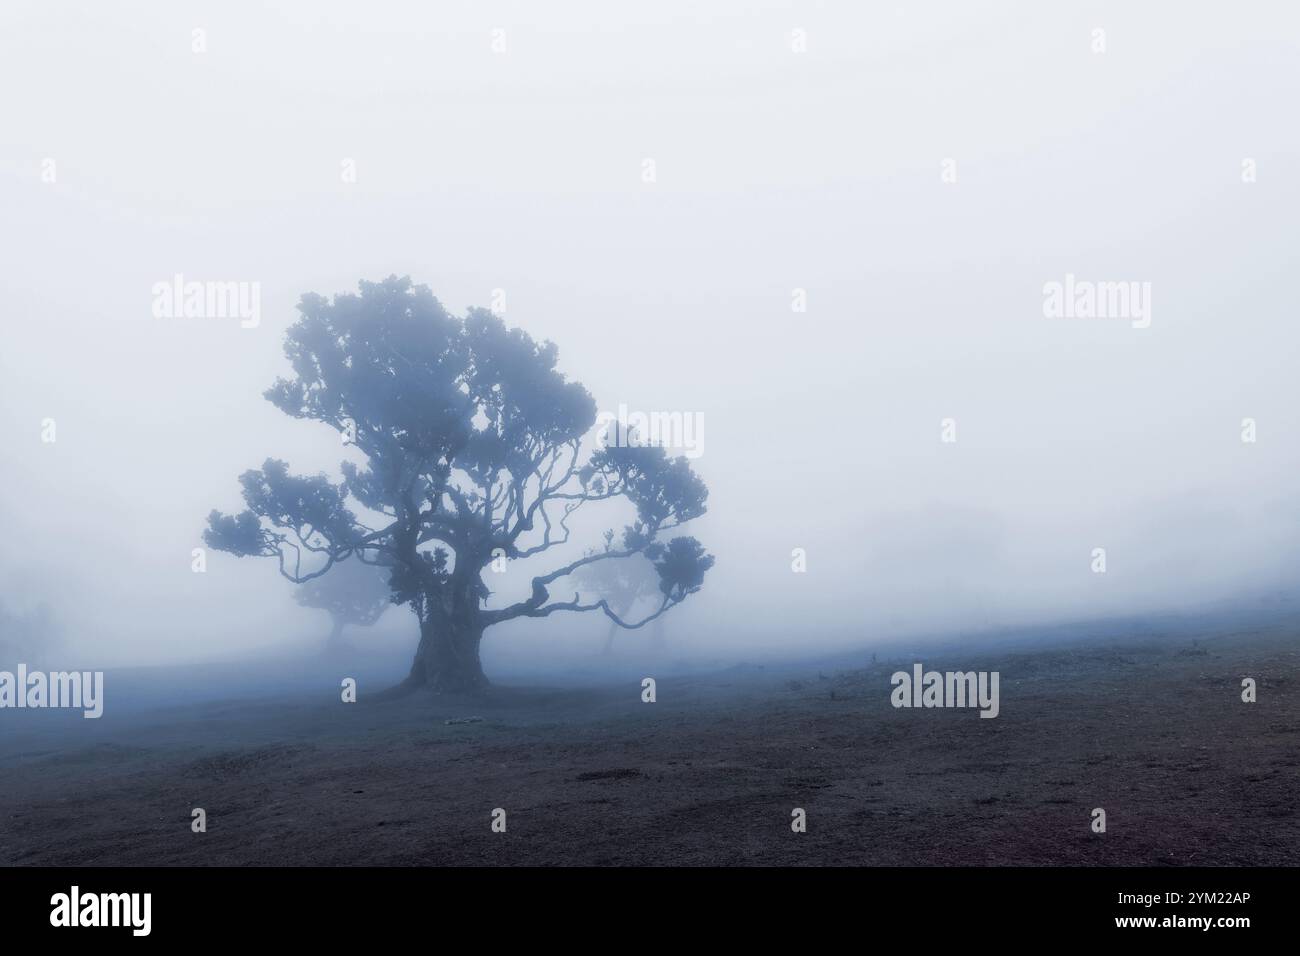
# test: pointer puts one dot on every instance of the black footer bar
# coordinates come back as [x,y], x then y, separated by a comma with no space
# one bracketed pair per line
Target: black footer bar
[363,904]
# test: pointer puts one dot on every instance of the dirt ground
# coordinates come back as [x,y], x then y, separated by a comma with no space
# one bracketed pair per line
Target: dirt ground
[1154,732]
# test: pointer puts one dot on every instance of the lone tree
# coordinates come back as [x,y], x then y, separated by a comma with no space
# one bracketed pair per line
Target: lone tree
[474,452]
[354,592]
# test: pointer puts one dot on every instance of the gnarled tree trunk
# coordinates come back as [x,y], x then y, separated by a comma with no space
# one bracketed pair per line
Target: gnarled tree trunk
[447,659]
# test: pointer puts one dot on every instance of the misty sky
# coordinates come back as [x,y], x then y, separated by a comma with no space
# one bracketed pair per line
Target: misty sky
[522,171]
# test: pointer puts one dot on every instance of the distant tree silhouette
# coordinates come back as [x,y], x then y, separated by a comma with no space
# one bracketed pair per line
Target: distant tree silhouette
[623,584]
[473,446]
[353,593]
[28,636]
